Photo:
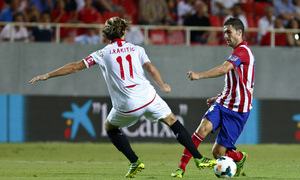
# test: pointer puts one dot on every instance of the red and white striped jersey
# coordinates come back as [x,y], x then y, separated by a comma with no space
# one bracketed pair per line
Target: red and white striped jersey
[121,64]
[237,94]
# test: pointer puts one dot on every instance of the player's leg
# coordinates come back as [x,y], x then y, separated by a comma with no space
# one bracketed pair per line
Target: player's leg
[218,150]
[181,134]
[231,129]
[184,138]
[159,110]
[204,128]
[121,142]
[202,131]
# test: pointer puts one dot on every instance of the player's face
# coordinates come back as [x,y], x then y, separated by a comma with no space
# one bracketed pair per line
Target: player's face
[232,36]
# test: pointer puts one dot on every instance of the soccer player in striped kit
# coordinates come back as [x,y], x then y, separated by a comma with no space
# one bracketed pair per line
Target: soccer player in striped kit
[230,109]
[123,66]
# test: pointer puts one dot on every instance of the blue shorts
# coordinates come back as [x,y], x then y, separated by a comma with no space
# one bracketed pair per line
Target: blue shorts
[231,124]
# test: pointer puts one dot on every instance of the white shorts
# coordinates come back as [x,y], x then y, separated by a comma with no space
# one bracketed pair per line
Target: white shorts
[154,111]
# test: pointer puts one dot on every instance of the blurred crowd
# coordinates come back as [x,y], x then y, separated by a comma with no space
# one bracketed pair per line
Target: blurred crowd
[262,14]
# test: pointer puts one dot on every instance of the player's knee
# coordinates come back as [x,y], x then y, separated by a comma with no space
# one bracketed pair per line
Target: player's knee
[203,130]
[170,120]
[205,127]
[108,126]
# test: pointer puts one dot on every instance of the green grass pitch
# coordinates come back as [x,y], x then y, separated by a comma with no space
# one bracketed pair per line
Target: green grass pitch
[103,161]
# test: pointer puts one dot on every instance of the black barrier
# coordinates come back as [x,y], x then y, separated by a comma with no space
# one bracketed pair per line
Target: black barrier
[279,121]
[81,119]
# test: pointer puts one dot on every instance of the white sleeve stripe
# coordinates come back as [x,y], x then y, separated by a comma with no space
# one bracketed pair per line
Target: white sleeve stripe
[86,64]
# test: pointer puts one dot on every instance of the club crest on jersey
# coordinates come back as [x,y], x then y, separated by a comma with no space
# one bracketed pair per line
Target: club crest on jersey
[233,58]
[100,53]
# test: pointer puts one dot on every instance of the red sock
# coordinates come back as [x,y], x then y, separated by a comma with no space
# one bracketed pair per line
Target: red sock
[186,155]
[236,156]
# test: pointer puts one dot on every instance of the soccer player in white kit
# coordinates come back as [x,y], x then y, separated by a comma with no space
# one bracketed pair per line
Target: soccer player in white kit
[132,95]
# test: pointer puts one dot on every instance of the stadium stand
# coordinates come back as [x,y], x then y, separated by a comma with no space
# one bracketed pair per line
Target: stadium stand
[251,24]
[176,37]
[216,21]
[248,7]
[259,8]
[158,37]
[107,15]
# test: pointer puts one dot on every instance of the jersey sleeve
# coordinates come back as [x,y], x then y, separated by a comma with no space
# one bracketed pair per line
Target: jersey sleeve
[92,59]
[144,56]
[239,56]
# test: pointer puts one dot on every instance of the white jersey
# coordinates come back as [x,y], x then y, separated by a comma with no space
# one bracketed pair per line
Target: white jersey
[121,64]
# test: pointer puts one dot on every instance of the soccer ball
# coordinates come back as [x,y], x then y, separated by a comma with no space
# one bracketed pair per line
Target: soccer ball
[225,168]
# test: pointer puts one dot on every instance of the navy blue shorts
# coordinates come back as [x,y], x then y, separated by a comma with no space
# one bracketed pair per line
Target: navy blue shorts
[231,124]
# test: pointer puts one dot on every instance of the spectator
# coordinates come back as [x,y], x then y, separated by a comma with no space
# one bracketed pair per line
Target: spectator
[172,6]
[161,15]
[297,6]
[293,39]
[71,9]
[20,33]
[184,10]
[280,39]
[237,12]
[285,9]
[90,38]
[88,14]
[31,13]
[198,19]
[60,15]
[266,23]
[222,7]
[107,6]
[43,32]
[12,7]
[70,6]
[42,5]
[134,34]
[80,4]
[2,2]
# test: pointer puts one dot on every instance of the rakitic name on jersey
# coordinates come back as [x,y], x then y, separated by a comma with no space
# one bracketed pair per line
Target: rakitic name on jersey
[121,50]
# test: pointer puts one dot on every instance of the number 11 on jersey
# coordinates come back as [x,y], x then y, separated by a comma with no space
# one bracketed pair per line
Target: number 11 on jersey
[120,61]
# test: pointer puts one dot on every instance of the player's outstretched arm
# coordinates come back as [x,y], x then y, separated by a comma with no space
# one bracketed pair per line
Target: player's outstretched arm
[215,72]
[64,70]
[155,75]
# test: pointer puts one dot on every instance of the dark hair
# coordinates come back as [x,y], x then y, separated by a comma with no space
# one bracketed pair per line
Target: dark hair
[238,5]
[46,12]
[18,14]
[114,28]
[236,23]
[289,25]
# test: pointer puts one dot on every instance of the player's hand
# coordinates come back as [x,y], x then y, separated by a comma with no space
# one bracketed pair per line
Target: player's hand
[39,78]
[165,88]
[193,75]
[210,101]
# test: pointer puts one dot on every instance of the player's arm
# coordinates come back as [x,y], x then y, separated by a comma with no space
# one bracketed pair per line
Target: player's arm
[155,75]
[215,72]
[64,70]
